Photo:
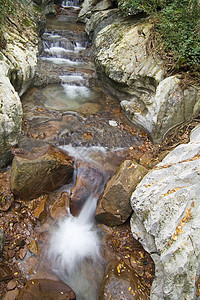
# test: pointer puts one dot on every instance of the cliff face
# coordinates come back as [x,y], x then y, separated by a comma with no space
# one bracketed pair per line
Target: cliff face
[18,58]
[123,59]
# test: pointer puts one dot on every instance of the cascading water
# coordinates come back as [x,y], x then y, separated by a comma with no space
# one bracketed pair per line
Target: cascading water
[71,3]
[61,49]
[74,250]
[75,242]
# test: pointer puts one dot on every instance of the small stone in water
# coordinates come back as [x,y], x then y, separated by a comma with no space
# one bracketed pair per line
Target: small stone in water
[11,285]
[11,295]
[33,247]
[113,123]
[22,253]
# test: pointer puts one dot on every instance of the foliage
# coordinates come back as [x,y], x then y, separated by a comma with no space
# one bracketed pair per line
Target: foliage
[179,29]
[6,8]
[129,7]
[178,26]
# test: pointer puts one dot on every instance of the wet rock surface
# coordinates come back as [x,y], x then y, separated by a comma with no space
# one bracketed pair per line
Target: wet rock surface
[46,289]
[47,171]
[60,206]
[89,181]
[114,207]
[121,281]
[11,295]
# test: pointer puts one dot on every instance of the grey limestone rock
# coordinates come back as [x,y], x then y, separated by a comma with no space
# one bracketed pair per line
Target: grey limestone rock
[150,100]
[166,220]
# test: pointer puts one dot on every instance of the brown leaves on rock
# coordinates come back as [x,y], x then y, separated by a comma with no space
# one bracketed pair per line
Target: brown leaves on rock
[130,251]
[179,229]
[172,191]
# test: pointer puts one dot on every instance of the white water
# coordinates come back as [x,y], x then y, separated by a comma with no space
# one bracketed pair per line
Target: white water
[74,247]
[72,78]
[70,3]
[74,244]
[74,250]
[57,51]
[79,47]
[77,92]
[65,61]
[73,240]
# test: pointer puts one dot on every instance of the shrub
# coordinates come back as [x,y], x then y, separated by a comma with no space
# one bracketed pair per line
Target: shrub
[178,26]
[6,8]
[179,32]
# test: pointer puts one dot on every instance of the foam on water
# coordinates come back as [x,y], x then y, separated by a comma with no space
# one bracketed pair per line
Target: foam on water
[74,91]
[74,249]
[63,61]
[72,78]
[74,240]
[57,51]
[70,3]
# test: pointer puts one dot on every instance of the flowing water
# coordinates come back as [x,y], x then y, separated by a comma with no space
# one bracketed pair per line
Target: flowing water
[72,111]
[75,243]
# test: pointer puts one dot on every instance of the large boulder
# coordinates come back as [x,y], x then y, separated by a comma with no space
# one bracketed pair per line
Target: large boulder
[114,206]
[89,7]
[166,221]
[127,67]
[10,116]
[18,59]
[41,173]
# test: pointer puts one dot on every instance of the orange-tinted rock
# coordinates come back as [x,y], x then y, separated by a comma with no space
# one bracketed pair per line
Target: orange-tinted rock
[44,289]
[11,295]
[114,206]
[5,272]
[41,173]
[11,253]
[22,253]
[31,264]
[89,181]
[33,247]
[59,208]
[121,282]
[11,285]
[41,210]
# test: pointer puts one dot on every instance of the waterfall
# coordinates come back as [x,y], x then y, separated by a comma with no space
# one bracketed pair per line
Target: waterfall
[74,250]
[71,3]
[74,244]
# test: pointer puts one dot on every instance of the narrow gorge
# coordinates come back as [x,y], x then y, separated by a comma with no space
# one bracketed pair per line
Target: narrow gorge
[99,158]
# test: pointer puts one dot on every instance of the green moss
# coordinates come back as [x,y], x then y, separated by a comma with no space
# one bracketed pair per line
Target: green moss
[37,8]
[1,56]
[6,8]
[26,22]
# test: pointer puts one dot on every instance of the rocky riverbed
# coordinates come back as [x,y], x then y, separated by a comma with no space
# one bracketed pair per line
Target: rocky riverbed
[76,141]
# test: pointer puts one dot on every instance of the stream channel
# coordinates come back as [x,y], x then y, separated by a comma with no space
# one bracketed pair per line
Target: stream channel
[68,108]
